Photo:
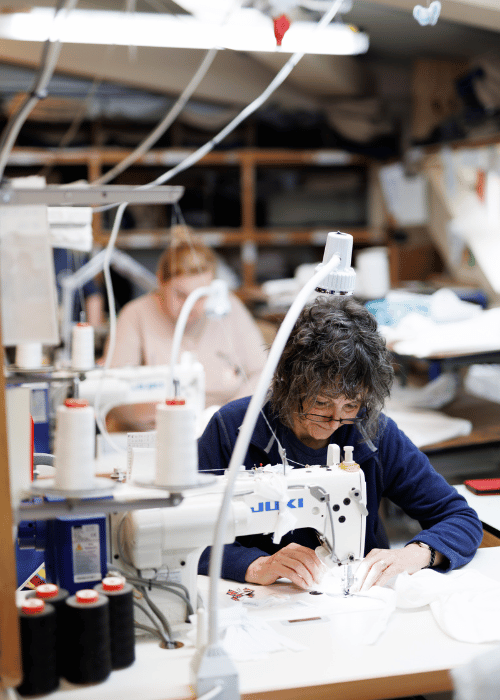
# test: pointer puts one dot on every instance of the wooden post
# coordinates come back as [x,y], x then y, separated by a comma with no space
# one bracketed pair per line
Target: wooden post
[10,656]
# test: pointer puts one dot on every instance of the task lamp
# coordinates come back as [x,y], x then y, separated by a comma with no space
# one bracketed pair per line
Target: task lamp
[212,665]
[217,305]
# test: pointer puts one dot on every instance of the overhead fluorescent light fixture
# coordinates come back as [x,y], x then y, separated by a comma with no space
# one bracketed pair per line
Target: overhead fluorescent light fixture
[246,30]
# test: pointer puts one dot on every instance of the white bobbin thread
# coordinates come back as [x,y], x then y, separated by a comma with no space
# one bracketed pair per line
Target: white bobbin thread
[349,465]
[29,355]
[176,446]
[82,346]
[74,454]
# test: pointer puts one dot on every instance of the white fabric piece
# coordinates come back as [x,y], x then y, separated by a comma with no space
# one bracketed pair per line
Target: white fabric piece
[436,394]
[483,381]
[465,604]
[418,336]
[277,469]
[480,678]
[428,427]
[246,638]
[470,616]
[370,611]
[286,522]
[426,586]
[270,485]
[446,307]
[274,486]
[379,624]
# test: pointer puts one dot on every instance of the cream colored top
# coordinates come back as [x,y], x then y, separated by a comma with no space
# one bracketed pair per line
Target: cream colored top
[232,349]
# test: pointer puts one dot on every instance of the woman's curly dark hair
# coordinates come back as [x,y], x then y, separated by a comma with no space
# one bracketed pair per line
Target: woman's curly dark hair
[333,350]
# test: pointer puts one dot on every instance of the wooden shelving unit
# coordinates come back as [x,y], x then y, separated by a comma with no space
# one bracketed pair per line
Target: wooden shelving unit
[248,237]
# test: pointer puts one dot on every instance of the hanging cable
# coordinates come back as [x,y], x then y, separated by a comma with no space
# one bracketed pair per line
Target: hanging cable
[162,127]
[50,55]
[70,134]
[158,613]
[151,582]
[164,635]
[101,423]
[247,111]
[177,589]
[167,587]
[183,165]
[171,115]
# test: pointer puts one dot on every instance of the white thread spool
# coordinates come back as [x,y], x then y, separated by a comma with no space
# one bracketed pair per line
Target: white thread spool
[349,465]
[29,355]
[82,346]
[176,445]
[74,454]
[372,273]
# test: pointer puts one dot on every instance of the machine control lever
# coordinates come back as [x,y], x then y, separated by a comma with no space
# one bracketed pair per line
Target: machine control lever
[320,494]
[355,494]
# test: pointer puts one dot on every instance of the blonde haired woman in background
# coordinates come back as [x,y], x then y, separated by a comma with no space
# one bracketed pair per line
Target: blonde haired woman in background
[232,350]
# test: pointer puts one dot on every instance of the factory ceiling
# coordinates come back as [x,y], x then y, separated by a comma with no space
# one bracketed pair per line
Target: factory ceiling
[466,30]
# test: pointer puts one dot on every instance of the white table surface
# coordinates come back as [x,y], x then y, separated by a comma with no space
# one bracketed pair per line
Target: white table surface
[413,655]
[487,507]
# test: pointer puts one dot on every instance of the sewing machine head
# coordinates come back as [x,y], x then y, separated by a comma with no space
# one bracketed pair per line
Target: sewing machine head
[120,386]
[168,542]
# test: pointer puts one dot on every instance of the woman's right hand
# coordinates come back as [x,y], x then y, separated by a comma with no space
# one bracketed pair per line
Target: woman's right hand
[299,564]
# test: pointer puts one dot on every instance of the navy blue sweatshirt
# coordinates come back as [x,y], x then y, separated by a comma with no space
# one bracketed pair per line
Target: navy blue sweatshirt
[393,467]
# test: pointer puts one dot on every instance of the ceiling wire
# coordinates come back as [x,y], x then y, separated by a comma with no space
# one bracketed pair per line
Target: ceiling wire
[73,128]
[172,113]
[51,51]
[164,124]
[247,111]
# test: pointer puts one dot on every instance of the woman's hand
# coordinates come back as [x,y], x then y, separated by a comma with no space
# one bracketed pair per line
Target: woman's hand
[299,564]
[380,565]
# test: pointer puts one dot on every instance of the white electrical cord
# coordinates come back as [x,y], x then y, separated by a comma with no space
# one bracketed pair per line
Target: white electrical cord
[183,165]
[171,115]
[245,434]
[247,111]
[164,124]
[180,325]
[52,49]
[112,325]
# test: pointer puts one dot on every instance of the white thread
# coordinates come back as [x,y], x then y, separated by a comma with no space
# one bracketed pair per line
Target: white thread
[349,465]
[176,446]
[74,454]
[29,355]
[82,346]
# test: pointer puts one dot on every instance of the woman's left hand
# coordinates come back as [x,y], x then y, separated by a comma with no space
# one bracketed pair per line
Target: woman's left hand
[380,565]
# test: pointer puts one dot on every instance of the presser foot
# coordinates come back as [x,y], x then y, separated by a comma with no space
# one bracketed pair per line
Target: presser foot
[347,580]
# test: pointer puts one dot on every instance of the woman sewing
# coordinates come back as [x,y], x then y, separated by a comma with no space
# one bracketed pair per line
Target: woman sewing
[329,387]
[231,349]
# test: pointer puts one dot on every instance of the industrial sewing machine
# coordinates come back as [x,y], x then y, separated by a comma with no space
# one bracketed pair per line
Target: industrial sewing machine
[120,386]
[166,544]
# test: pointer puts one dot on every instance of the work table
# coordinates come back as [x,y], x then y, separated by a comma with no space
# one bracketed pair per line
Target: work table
[413,654]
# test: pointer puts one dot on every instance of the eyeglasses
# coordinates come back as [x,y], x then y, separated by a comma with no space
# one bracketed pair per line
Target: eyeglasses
[327,419]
